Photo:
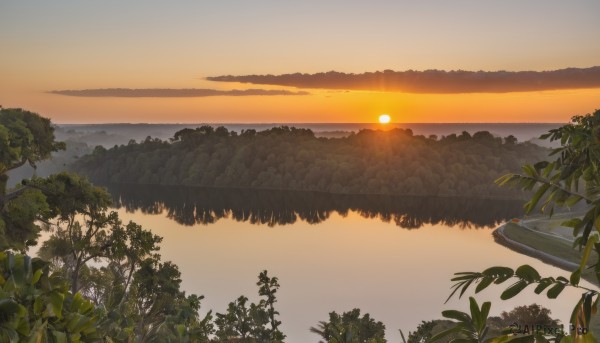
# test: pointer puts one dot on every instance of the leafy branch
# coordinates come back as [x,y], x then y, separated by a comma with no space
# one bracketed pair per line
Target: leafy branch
[526,275]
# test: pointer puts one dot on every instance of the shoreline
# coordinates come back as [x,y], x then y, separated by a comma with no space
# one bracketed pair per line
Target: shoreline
[501,238]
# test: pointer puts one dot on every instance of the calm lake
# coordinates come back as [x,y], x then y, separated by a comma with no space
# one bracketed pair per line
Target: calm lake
[391,257]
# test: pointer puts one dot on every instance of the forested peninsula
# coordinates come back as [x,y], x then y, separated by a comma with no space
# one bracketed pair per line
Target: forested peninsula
[368,162]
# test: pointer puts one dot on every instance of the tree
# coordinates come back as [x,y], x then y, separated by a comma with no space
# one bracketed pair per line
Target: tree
[572,177]
[254,322]
[532,314]
[350,327]
[25,137]
[267,288]
[138,296]
[510,140]
[473,328]
[519,317]
[185,325]
[83,229]
[241,323]
[428,329]
[156,293]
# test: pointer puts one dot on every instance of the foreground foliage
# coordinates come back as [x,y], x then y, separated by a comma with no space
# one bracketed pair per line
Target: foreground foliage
[37,306]
[127,294]
[25,137]
[573,177]
[350,327]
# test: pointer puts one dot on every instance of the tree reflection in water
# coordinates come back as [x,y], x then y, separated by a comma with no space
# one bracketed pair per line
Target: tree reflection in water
[198,205]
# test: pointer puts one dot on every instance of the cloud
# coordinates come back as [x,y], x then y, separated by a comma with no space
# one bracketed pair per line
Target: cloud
[170,93]
[433,81]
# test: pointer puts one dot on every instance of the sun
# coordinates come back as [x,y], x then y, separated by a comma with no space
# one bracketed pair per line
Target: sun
[384,118]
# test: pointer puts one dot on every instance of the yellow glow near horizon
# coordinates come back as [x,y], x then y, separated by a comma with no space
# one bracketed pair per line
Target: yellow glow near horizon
[384,118]
[320,106]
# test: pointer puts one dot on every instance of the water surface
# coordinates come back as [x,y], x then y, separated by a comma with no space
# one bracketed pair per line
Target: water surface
[391,257]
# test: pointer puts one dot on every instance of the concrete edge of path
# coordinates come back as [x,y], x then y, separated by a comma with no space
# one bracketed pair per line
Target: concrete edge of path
[501,238]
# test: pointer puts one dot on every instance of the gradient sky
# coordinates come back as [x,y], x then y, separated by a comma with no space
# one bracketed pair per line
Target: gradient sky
[75,45]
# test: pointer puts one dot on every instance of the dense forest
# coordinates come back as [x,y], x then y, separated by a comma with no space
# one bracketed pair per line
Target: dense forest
[368,162]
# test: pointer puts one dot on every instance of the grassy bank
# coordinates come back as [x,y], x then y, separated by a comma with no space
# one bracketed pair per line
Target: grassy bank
[545,235]
[553,245]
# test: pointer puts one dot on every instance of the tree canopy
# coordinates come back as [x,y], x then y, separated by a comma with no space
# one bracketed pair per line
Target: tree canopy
[25,137]
[369,162]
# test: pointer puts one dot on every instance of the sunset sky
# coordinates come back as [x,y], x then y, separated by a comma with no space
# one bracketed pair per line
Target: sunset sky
[80,45]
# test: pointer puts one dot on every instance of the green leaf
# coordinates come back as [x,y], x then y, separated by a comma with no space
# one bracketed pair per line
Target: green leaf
[527,273]
[592,240]
[59,337]
[531,204]
[39,332]
[486,281]
[555,290]
[464,276]
[455,288]
[529,170]
[544,283]
[587,306]
[13,336]
[485,311]
[575,277]
[9,307]
[465,287]
[36,276]
[475,313]
[575,312]
[76,323]
[572,200]
[55,303]
[572,223]
[577,242]
[514,289]
[457,315]
[444,333]
[498,272]
[38,306]
[76,302]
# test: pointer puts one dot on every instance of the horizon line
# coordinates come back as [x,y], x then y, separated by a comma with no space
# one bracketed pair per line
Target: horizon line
[293,123]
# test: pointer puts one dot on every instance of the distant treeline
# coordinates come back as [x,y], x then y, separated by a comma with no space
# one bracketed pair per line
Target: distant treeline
[369,162]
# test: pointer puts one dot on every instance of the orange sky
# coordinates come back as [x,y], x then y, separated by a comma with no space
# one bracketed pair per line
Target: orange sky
[321,106]
[77,45]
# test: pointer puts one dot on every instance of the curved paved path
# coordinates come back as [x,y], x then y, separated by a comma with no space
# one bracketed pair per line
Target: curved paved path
[501,238]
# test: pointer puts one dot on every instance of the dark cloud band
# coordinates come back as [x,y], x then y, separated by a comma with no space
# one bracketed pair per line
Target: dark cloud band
[170,93]
[433,81]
